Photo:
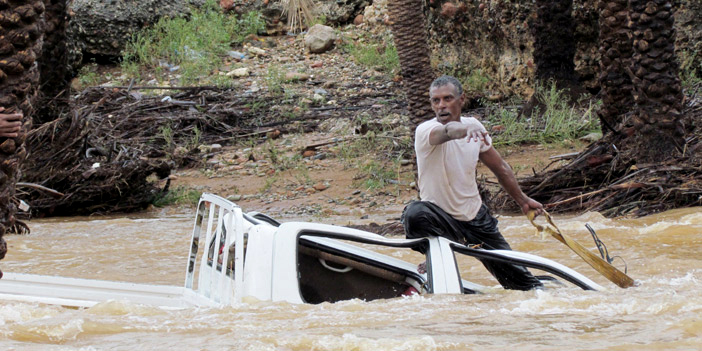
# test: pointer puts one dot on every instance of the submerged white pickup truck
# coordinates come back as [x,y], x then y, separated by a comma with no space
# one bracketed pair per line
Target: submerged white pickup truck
[236,256]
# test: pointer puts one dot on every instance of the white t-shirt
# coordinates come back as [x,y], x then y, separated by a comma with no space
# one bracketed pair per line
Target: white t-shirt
[447,171]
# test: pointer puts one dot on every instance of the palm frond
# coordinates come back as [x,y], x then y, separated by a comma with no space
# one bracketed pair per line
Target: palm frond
[300,13]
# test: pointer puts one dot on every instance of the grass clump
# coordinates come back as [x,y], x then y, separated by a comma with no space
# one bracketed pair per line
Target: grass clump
[167,136]
[476,81]
[382,169]
[179,195]
[88,75]
[376,175]
[688,70]
[192,46]
[379,56]
[557,122]
[274,80]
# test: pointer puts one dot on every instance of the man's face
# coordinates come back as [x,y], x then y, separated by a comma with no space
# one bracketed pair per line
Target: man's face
[446,103]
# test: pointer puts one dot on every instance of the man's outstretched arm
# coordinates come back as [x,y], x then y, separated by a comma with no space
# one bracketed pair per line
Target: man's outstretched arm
[458,130]
[508,181]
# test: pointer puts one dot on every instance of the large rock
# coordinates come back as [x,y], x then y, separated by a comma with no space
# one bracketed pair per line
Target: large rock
[320,38]
[102,27]
[491,42]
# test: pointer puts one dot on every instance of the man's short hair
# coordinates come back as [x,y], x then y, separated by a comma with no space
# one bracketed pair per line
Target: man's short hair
[446,80]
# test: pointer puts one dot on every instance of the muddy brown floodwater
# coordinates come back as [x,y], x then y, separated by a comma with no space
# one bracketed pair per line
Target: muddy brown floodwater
[663,313]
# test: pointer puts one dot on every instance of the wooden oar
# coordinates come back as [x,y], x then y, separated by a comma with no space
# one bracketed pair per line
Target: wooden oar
[610,272]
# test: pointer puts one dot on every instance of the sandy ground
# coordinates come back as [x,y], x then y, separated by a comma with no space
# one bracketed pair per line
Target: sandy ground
[330,189]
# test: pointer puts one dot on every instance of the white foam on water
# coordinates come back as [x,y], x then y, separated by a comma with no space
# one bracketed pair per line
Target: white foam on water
[351,342]
[688,279]
[17,312]
[53,330]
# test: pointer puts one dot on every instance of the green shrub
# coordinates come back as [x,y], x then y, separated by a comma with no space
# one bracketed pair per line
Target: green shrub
[179,195]
[88,76]
[476,81]
[274,79]
[688,72]
[382,57]
[558,120]
[376,175]
[195,44]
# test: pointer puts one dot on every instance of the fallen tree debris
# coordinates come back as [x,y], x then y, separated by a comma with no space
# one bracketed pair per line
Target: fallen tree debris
[605,179]
[110,153]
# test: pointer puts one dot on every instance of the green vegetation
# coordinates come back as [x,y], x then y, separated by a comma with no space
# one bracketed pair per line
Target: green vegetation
[88,76]
[376,175]
[270,181]
[281,162]
[475,81]
[222,81]
[167,135]
[688,71]
[319,20]
[385,167]
[557,122]
[193,46]
[195,138]
[274,79]
[177,196]
[379,56]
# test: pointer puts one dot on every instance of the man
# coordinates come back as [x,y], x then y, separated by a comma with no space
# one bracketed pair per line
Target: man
[448,148]
[10,123]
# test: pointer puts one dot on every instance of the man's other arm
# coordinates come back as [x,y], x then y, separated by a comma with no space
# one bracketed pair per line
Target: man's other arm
[492,159]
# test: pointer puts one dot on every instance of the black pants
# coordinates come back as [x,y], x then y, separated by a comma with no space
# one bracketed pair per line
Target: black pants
[422,219]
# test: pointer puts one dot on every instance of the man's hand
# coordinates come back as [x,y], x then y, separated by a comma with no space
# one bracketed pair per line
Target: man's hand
[470,131]
[531,204]
[10,124]
[476,132]
[479,135]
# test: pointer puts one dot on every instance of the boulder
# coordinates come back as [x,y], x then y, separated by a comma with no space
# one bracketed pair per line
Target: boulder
[102,28]
[320,38]
[493,40]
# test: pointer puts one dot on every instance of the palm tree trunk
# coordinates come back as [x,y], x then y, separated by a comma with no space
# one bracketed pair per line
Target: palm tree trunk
[54,71]
[554,41]
[408,25]
[615,51]
[657,88]
[21,30]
